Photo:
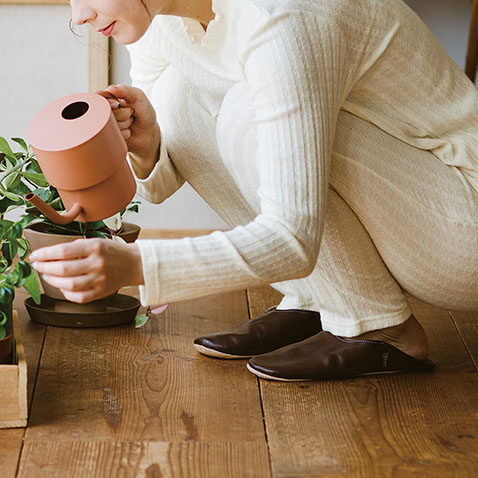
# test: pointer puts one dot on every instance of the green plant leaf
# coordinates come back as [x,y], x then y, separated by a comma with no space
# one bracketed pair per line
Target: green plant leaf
[26,219]
[43,193]
[140,320]
[22,143]
[96,225]
[32,286]
[33,166]
[3,333]
[6,295]
[5,148]
[9,195]
[36,178]
[13,180]
[6,224]
[9,163]
[95,233]
[6,252]
[3,318]
[57,205]
[23,247]
[25,268]
[21,190]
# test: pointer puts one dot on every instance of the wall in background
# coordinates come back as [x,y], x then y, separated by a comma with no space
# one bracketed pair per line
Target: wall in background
[42,60]
[449,21]
[185,209]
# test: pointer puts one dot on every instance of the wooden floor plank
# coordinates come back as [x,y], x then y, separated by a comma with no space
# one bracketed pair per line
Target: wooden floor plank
[84,459]
[173,233]
[467,324]
[32,335]
[391,425]
[11,440]
[147,384]
[11,447]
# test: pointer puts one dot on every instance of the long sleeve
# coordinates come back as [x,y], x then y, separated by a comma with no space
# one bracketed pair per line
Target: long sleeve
[298,83]
[146,68]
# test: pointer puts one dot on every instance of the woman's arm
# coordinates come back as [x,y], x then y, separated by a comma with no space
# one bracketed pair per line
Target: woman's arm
[157,177]
[299,70]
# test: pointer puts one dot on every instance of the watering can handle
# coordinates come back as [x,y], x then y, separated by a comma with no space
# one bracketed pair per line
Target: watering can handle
[50,213]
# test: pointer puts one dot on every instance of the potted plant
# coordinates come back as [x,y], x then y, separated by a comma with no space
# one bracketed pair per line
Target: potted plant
[21,176]
[14,269]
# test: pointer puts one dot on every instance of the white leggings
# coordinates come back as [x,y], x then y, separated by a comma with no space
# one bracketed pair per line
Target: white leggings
[397,219]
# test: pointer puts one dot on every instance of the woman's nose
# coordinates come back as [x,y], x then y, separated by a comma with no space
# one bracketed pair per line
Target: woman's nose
[81,12]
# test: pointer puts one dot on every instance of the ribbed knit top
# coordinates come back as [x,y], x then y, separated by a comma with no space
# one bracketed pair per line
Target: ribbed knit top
[301,61]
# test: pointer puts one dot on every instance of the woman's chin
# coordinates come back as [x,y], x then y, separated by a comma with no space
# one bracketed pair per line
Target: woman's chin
[125,37]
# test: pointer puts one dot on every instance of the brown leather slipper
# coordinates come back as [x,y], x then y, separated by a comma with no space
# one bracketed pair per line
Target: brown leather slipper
[270,330]
[325,356]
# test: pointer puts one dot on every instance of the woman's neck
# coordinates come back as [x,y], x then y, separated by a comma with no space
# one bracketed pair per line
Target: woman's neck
[200,10]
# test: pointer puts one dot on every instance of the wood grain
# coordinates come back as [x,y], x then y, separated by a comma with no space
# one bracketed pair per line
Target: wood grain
[34,2]
[467,325]
[401,425]
[472,50]
[84,459]
[173,233]
[98,61]
[391,425]
[147,384]
[261,298]
[11,445]
[13,393]
[32,335]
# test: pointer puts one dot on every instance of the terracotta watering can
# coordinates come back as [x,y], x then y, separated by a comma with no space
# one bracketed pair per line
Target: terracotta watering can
[82,153]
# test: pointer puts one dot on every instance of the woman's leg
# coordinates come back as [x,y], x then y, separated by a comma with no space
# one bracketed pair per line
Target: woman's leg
[398,219]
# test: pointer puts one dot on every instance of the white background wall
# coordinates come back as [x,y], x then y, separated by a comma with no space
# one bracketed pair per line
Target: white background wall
[41,60]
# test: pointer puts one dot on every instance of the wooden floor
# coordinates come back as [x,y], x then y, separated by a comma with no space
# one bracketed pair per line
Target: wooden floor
[126,402]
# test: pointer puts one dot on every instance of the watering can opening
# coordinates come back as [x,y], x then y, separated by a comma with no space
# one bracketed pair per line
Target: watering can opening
[75,110]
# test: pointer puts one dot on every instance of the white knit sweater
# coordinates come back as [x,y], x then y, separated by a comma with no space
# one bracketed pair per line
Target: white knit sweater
[265,171]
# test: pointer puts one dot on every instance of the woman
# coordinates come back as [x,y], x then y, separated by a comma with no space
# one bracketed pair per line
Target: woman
[336,138]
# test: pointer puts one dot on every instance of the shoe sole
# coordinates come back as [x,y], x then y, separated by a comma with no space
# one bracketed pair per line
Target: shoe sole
[214,353]
[277,379]
[280,379]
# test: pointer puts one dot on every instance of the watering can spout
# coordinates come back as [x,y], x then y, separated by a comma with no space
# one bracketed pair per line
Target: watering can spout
[50,213]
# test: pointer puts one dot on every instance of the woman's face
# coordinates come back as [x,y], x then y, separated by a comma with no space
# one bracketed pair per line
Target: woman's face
[130,17]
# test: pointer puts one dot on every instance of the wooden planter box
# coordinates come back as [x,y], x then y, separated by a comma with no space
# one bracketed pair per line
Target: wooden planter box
[13,389]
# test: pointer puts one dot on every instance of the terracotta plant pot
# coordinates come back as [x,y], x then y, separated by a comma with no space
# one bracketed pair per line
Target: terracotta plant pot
[37,238]
[6,343]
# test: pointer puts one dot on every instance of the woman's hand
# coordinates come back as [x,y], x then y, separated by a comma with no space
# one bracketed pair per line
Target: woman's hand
[89,269]
[137,121]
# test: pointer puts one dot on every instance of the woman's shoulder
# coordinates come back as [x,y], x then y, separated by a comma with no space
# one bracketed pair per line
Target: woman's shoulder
[338,9]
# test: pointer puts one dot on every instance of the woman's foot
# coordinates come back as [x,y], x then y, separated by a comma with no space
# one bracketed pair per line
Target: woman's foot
[268,331]
[408,337]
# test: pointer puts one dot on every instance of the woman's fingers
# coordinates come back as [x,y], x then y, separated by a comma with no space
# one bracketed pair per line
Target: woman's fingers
[78,283]
[127,123]
[123,114]
[68,268]
[126,134]
[69,250]
[83,296]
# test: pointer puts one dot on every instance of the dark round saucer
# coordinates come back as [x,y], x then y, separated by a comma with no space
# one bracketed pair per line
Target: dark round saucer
[120,309]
